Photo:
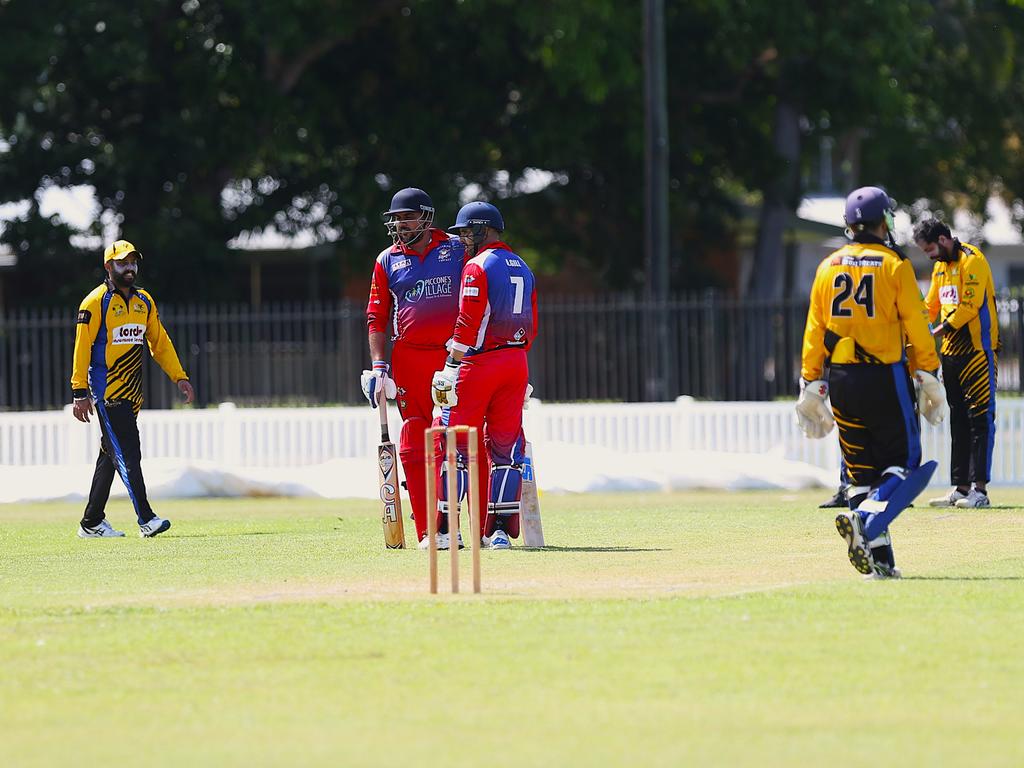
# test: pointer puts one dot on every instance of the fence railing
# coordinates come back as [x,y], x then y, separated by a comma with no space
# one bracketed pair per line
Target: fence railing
[593,348]
[295,437]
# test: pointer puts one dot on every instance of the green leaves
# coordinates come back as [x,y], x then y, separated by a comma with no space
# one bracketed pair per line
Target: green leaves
[321,109]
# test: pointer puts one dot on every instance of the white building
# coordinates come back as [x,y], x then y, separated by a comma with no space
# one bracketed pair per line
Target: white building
[997,234]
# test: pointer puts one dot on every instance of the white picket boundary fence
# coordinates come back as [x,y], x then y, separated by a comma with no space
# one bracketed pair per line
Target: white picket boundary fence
[302,436]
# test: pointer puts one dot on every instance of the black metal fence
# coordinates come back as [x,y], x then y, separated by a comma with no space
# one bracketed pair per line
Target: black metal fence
[594,348]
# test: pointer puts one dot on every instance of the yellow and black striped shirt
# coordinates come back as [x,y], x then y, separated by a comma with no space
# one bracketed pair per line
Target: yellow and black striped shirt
[109,336]
[865,307]
[962,295]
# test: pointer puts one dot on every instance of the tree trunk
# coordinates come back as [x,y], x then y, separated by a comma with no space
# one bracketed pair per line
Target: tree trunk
[780,199]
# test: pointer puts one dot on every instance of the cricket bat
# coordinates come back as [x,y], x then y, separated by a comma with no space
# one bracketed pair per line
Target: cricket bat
[533,531]
[387,475]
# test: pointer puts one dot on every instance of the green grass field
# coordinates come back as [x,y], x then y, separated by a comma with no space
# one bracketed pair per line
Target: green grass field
[656,630]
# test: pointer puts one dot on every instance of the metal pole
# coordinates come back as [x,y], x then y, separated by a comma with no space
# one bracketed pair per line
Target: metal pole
[656,198]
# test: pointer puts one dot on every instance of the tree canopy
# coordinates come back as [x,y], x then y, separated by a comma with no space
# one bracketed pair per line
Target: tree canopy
[196,121]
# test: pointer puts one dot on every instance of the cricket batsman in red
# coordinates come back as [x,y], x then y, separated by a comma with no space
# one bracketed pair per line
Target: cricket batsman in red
[484,380]
[415,289]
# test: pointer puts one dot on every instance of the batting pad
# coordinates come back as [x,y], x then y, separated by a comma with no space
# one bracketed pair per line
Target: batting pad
[901,497]
[442,486]
[506,491]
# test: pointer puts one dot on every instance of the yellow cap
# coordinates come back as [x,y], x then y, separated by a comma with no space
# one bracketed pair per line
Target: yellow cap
[118,250]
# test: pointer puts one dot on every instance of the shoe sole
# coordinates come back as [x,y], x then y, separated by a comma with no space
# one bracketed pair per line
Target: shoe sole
[157,532]
[859,558]
[958,505]
[84,535]
[943,503]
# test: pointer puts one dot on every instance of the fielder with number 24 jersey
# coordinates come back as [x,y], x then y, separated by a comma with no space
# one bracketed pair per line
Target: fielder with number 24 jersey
[498,306]
[865,292]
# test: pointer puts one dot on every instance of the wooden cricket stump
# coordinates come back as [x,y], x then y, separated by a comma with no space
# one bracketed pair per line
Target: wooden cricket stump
[472,502]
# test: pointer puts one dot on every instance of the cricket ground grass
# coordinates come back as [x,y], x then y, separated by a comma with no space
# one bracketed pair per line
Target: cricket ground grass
[654,630]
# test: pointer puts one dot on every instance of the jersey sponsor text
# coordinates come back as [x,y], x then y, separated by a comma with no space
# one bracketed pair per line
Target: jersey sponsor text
[129,333]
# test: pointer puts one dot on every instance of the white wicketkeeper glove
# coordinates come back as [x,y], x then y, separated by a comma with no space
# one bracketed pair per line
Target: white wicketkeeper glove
[442,387]
[813,416]
[376,381]
[931,397]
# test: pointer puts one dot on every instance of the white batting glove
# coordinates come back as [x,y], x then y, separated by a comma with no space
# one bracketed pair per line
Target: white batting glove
[813,416]
[442,387]
[931,397]
[377,381]
[526,397]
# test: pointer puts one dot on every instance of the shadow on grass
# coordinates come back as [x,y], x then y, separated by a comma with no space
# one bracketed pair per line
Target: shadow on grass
[974,509]
[231,534]
[963,578]
[592,549]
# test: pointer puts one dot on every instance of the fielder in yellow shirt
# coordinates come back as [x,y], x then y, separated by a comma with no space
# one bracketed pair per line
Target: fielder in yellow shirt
[865,310]
[962,305]
[114,321]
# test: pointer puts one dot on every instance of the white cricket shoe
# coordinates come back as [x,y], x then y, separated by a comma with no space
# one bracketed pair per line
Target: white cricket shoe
[973,500]
[103,530]
[444,541]
[154,527]
[949,500]
[499,540]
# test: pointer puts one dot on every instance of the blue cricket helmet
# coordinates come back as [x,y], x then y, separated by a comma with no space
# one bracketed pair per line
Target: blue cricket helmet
[868,205]
[409,200]
[477,214]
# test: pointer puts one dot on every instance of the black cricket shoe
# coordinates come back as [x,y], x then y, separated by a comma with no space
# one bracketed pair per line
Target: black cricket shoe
[839,501]
[849,526]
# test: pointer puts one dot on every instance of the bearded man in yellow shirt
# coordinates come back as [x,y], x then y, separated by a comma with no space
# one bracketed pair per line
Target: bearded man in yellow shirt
[962,307]
[114,321]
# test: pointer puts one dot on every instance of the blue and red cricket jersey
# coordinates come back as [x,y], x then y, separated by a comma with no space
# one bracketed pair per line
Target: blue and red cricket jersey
[417,291]
[498,306]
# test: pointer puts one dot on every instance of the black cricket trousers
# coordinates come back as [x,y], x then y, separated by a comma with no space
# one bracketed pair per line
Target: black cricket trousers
[120,453]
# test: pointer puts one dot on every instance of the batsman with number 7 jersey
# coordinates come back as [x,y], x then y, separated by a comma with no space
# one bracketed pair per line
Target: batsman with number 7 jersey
[483,383]
[865,311]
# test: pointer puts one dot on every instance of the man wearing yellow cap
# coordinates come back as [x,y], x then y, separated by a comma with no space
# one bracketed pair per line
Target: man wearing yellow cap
[114,321]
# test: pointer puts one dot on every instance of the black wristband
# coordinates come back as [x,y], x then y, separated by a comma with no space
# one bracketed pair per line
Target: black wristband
[451,362]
